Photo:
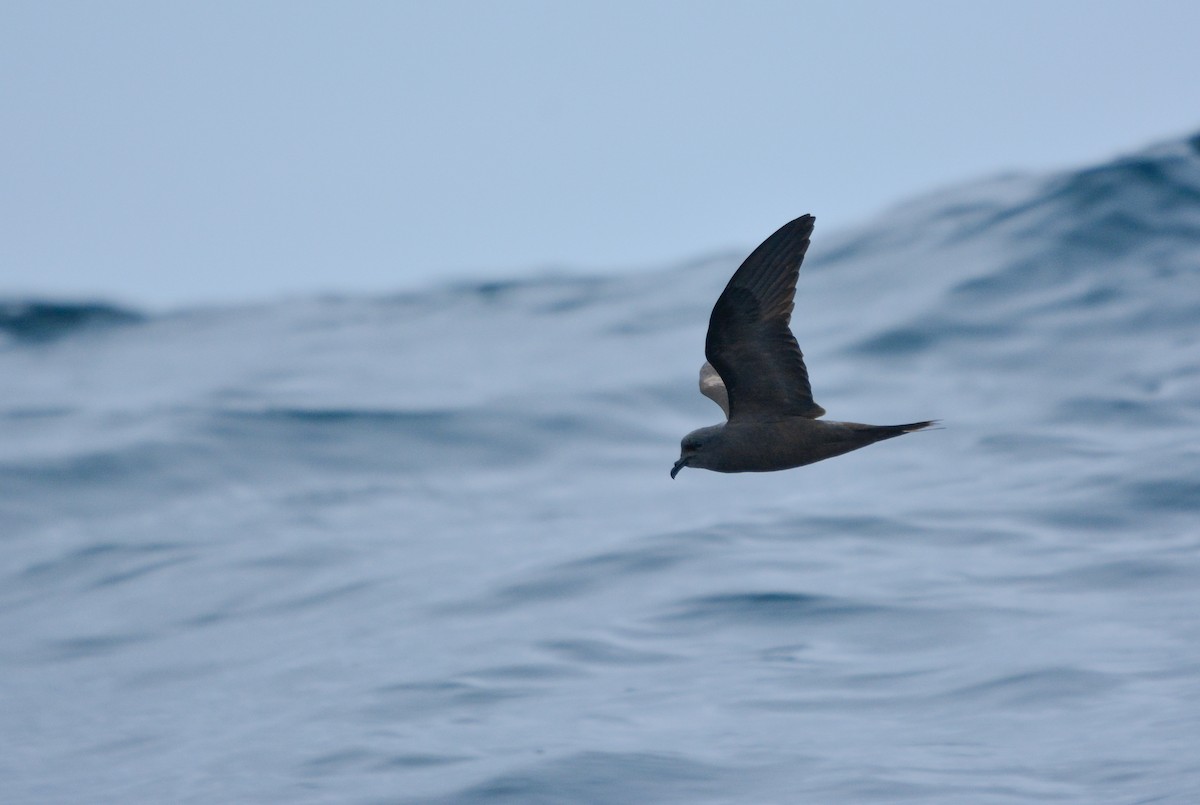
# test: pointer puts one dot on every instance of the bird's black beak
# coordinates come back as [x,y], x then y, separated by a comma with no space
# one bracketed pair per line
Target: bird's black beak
[680,464]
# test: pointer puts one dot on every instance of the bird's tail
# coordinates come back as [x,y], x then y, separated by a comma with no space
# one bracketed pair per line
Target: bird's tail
[881,432]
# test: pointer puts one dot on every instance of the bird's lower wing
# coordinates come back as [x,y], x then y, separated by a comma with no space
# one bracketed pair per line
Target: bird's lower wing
[713,387]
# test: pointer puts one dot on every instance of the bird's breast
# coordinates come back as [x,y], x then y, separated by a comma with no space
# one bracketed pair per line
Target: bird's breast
[778,444]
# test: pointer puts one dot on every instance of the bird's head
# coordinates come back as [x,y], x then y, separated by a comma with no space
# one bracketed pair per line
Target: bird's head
[697,448]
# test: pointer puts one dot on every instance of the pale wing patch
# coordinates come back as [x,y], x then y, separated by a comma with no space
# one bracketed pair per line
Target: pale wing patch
[713,387]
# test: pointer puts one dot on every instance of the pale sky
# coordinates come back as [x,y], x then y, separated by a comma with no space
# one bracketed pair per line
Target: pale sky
[167,153]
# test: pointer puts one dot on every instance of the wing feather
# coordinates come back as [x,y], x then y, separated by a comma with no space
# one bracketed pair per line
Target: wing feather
[713,387]
[750,344]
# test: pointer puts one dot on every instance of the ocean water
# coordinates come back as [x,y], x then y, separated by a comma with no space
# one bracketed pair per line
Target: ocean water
[424,548]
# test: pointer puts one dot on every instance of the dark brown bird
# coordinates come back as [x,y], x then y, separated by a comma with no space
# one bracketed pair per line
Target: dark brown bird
[755,372]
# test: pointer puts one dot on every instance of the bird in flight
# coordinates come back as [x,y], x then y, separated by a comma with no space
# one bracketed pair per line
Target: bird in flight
[755,372]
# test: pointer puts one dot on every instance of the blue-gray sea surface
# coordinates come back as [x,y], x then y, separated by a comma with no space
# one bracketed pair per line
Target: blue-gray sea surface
[424,548]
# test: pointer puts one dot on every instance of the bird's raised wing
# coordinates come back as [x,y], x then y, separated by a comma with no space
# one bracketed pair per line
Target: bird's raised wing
[749,342]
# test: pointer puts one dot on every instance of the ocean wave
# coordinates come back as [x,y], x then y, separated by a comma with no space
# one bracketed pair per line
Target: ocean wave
[426,546]
[37,321]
